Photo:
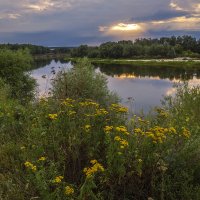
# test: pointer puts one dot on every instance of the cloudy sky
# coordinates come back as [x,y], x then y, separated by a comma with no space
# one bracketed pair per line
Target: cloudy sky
[74,22]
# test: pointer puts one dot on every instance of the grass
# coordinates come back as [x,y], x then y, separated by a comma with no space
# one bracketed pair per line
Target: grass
[147,63]
[74,145]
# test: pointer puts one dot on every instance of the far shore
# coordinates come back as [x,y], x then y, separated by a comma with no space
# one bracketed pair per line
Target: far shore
[176,62]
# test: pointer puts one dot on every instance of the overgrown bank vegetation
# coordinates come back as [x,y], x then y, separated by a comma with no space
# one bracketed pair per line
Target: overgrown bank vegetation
[80,143]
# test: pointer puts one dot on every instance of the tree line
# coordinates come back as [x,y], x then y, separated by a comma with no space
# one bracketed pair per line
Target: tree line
[164,47]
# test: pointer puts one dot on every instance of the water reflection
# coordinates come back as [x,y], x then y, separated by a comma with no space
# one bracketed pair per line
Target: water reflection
[140,88]
[45,72]
[180,74]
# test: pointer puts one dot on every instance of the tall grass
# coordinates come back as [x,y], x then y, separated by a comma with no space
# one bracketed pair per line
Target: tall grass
[76,146]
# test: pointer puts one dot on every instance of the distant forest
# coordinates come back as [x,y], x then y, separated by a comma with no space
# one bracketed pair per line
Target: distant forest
[164,47]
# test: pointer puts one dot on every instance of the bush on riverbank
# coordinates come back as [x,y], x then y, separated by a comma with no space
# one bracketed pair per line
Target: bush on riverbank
[13,65]
[77,148]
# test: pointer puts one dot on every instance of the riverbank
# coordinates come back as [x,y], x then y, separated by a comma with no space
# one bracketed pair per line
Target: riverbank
[178,63]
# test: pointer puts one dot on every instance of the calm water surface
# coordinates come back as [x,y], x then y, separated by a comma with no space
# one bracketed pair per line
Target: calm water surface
[140,88]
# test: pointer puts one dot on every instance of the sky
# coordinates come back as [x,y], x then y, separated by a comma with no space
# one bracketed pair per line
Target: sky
[75,22]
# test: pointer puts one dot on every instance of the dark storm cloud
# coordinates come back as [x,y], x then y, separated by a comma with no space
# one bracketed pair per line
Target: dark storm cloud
[74,22]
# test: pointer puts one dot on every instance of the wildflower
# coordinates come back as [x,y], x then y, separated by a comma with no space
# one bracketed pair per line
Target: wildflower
[58,179]
[100,112]
[42,158]
[122,129]
[140,160]
[123,143]
[87,128]
[90,171]
[68,102]
[107,129]
[186,132]
[117,138]
[118,108]
[137,130]
[23,147]
[69,190]
[93,162]
[53,116]
[30,166]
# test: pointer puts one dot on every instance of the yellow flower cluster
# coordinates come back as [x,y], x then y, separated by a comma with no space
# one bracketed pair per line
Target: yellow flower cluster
[89,103]
[123,142]
[122,129]
[96,167]
[30,166]
[118,108]
[101,111]
[53,116]
[186,132]
[69,190]
[68,102]
[42,158]
[108,129]
[157,134]
[58,179]
[87,128]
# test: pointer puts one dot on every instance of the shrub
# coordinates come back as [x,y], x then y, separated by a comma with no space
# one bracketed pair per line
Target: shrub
[13,65]
[83,82]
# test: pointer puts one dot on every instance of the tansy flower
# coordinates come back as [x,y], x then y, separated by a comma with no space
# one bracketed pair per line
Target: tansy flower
[53,116]
[30,166]
[42,158]
[58,179]
[69,190]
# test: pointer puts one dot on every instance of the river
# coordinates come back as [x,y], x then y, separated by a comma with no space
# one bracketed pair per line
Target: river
[140,88]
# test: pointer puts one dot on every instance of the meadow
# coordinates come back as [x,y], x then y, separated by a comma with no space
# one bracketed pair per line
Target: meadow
[81,143]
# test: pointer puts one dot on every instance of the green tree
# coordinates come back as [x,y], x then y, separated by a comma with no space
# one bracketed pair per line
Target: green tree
[13,70]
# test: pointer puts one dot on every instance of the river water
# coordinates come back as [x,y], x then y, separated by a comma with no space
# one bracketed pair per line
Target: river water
[140,88]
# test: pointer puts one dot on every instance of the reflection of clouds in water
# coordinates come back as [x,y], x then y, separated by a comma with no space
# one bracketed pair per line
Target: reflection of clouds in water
[191,83]
[49,71]
[145,92]
[139,92]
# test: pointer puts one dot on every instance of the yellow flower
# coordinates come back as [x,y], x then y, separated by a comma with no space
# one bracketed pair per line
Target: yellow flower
[53,116]
[90,171]
[42,158]
[58,179]
[93,162]
[69,190]
[107,129]
[137,130]
[119,108]
[186,132]
[117,138]
[87,128]
[30,166]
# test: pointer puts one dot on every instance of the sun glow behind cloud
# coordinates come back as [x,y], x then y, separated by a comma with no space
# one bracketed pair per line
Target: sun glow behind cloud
[123,30]
[126,27]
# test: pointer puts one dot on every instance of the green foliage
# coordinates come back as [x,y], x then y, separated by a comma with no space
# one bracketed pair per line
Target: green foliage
[83,82]
[143,48]
[34,49]
[64,148]
[13,65]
